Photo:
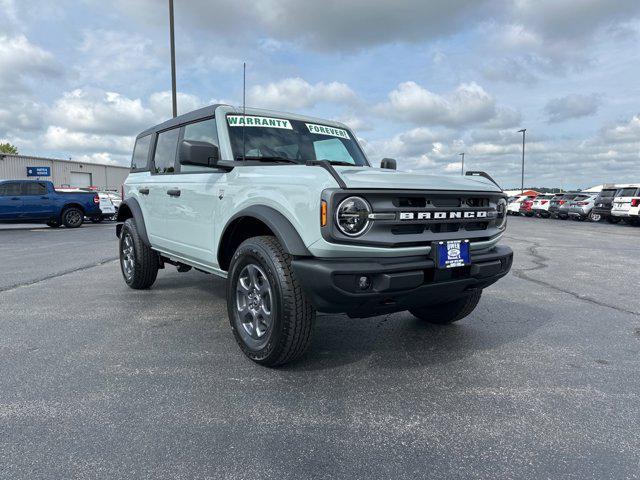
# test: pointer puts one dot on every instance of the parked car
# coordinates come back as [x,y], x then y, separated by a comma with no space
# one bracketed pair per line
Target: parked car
[526,207]
[37,201]
[292,214]
[622,202]
[107,208]
[634,211]
[513,208]
[559,207]
[580,207]
[541,204]
[554,204]
[603,204]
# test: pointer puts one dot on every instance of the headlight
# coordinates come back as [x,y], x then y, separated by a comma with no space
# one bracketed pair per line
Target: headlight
[352,216]
[501,207]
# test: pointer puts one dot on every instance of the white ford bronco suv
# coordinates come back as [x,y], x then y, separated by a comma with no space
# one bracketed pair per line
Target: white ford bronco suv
[289,210]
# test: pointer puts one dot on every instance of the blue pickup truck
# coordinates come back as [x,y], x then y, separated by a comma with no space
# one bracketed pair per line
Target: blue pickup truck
[37,201]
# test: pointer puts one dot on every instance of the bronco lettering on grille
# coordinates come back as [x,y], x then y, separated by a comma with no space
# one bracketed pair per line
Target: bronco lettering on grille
[441,215]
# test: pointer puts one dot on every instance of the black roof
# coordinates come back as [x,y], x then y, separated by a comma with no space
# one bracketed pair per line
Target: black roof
[180,119]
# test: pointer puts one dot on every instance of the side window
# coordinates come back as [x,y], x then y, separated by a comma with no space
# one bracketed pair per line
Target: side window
[164,159]
[204,131]
[10,189]
[332,149]
[140,153]
[34,188]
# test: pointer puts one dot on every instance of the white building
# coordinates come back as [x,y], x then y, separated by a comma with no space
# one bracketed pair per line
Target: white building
[63,173]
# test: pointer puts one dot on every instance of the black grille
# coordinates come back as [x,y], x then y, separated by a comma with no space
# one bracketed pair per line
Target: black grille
[416,231]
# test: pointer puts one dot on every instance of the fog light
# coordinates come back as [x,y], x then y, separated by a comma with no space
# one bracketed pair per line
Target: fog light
[364,282]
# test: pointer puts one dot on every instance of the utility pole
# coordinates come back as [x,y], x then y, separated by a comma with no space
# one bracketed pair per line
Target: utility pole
[462,154]
[523,131]
[173,61]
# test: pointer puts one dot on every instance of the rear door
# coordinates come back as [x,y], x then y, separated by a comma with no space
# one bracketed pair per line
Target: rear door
[605,199]
[37,203]
[10,200]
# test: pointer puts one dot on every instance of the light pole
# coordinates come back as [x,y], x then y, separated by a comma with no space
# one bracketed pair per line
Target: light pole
[173,61]
[462,155]
[523,131]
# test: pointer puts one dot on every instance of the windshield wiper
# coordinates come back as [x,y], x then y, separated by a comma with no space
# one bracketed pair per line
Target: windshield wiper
[268,158]
[337,162]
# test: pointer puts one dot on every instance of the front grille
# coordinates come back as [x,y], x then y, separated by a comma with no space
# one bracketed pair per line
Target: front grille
[421,217]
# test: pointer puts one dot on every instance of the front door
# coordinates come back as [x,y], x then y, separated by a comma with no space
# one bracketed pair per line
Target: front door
[10,200]
[184,218]
[36,202]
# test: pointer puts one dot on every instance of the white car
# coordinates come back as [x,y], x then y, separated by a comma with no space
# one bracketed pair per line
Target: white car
[622,201]
[542,203]
[634,210]
[107,207]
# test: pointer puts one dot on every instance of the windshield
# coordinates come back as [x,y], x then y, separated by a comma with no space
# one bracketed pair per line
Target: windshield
[280,139]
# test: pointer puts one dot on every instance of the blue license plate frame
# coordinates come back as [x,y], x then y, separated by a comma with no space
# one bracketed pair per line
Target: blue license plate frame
[451,254]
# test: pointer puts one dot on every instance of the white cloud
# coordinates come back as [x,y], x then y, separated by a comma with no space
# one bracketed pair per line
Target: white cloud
[161,104]
[468,104]
[62,139]
[296,93]
[571,106]
[22,62]
[94,111]
[627,132]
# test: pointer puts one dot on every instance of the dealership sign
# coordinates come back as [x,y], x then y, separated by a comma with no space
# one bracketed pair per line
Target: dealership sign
[38,171]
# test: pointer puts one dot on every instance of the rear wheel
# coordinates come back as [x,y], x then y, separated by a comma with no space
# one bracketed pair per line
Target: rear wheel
[448,312]
[595,217]
[138,262]
[269,313]
[72,217]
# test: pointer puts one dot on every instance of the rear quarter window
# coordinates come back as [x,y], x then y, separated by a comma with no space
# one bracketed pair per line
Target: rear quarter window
[627,192]
[140,156]
[10,189]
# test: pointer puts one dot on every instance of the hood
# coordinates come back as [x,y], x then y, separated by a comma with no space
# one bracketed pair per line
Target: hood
[365,177]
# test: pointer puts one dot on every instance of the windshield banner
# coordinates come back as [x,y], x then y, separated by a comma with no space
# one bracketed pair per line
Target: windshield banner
[252,121]
[324,130]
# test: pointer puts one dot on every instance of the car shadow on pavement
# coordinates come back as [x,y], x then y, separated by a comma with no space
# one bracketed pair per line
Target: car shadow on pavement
[401,341]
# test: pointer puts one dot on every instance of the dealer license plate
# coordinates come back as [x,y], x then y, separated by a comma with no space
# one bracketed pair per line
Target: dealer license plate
[452,253]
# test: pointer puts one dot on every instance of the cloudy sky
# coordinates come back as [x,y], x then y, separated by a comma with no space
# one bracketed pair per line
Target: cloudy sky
[417,80]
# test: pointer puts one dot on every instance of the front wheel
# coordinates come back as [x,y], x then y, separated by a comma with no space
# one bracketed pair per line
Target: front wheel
[270,316]
[448,312]
[138,262]
[595,217]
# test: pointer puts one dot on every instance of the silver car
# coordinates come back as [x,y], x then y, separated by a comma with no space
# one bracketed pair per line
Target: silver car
[580,207]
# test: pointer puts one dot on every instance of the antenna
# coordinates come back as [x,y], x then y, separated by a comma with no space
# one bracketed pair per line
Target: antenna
[244,104]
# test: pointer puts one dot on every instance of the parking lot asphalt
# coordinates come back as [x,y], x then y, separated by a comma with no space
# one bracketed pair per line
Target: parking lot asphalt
[540,381]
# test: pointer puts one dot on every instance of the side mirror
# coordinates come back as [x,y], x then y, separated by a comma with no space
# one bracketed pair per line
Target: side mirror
[388,163]
[201,154]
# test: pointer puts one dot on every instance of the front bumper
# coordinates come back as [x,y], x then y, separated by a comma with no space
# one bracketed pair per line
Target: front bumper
[396,283]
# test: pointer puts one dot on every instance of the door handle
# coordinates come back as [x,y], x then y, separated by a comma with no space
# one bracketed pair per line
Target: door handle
[144,191]
[44,198]
[174,192]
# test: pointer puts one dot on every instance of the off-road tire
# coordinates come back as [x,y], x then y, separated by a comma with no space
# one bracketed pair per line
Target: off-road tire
[72,217]
[449,312]
[145,264]
[293,316]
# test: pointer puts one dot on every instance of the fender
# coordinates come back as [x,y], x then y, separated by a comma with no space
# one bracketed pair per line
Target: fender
[131,208]
[282,228]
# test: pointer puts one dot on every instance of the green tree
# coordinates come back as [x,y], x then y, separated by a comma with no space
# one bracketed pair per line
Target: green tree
[8,148]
